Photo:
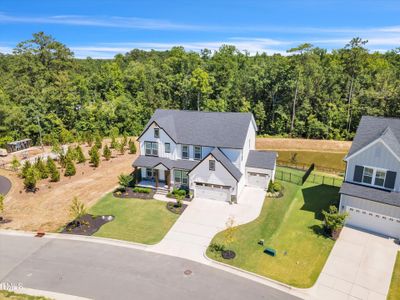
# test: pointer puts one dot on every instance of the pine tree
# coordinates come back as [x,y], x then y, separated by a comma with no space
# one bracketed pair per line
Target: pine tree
[31,178]
[69,168]
[53,171]
[113,143]
[15,164]
[42,169]
[106,152]
[71,154]
[80,157]
[121,148]
[98,141]
[94,156]
[125,140]
[25,168]
[132,147]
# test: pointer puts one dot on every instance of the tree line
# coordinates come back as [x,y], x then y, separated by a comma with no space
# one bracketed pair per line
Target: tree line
[309,93]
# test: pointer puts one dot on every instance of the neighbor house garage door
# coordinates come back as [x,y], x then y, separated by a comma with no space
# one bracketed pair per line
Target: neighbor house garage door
[257,179]
[214,192]
[373,222]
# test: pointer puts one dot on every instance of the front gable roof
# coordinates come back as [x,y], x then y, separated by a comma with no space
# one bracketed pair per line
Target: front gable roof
[214,129]
[225,162]
[372,129]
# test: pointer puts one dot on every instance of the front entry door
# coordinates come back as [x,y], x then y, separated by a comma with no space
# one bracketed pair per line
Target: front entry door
[168,177]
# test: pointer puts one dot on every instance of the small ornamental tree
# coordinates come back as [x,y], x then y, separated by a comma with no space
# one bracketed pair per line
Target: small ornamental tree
[94,156]
[15,164]
[77,209]
[42,169]
[229,238]
[69,168]
[25,168]
[106,152]
[80,157]
[334,221]
[124,180]
[98,141]
[132,147]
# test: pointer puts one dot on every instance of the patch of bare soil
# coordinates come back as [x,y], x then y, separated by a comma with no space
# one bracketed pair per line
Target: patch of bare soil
[302,145]
[48,208]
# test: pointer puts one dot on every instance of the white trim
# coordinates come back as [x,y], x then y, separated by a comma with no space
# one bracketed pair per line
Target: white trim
[372,184]
[370,145]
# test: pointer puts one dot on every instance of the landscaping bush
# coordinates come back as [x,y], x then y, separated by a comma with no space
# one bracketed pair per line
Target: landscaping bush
[69,168]
[25,168]
[132,147]
[106,152]
[179,192]
[15,164]
[124,181]
[215,247]
[142,190]
[98,141]
[54,173]
[80,157]
[31,177]
[42,169]
[274,187]
[94,156]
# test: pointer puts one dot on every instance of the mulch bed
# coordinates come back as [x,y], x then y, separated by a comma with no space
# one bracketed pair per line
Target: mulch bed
[174,208]
[228,254]
[86,225]
[187,198]
[129,193]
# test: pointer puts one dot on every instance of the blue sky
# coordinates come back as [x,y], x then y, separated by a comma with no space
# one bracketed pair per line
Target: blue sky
[104,28]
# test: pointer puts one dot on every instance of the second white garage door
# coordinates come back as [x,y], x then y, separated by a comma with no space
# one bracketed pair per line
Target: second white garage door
[214,192]
[373,222]
[257,180]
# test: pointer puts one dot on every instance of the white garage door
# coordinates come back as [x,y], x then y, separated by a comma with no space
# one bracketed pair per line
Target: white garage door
[257,179]
[214,192]
[373,222]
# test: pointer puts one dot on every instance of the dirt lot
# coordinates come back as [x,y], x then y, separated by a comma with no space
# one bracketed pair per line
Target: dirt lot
[48,208]
[302,144]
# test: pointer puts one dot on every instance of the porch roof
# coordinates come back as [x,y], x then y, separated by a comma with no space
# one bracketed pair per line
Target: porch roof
[153,161]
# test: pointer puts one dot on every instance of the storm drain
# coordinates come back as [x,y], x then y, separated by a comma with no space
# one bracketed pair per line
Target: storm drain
[187,272]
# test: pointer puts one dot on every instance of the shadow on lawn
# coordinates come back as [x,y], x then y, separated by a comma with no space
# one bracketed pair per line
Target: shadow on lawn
[318,198]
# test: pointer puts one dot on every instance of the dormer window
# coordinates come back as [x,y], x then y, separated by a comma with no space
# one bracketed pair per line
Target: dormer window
[380,177]
[185,151]
[367,175]
[197,152]
[156,133]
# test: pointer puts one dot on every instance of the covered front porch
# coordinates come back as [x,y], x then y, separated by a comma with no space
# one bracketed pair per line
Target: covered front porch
[156,178]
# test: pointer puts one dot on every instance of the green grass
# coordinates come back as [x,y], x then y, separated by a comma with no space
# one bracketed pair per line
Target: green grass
[292,224]
[330,160]
[394,291]
[15,296]
[136,220]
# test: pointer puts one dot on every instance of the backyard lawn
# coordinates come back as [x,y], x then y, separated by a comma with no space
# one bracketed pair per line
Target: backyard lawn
[136,220]
[292,225]
[394,291]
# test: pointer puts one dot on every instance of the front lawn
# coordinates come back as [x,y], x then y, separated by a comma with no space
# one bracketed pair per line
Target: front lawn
[394,291]
[16,296]
[136,220]
[293,226]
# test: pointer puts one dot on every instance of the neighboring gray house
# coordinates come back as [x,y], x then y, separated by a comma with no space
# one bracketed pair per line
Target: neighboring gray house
[211,153]
[371,191]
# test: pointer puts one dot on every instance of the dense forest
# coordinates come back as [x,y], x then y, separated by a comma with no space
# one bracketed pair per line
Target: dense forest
[309,93]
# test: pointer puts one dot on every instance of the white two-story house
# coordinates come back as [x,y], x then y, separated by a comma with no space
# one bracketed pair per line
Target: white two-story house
[371,191]
[210,153]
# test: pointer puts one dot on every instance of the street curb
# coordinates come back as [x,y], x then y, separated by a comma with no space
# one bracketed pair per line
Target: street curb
[302,293]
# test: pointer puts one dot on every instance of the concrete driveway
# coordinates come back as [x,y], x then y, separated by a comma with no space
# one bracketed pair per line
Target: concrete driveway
[359,267]
[203,219]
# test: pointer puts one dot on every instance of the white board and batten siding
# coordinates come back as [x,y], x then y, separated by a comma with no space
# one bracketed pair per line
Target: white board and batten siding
[148,136]
[376,156]
[220,176]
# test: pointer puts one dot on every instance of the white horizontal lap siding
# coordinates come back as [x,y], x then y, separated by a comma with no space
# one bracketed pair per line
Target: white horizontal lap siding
[376,156]
[148,136]
[220,176]
[379,208]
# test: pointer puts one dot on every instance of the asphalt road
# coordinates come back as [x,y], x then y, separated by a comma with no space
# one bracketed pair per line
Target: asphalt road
[5,185]
[110,272]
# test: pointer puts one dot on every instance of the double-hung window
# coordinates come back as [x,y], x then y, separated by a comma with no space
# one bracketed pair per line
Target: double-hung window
[185,152]
[151,148]
[156,133]
[167,148]
[197,152]
[380,176]
[367,175]
[150,173]
[181,177]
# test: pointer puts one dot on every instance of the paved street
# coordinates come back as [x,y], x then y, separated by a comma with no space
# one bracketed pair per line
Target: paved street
[110,272]
[5,185]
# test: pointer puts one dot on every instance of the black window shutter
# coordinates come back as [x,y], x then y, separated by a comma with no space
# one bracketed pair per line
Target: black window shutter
[390,179]
[358,173]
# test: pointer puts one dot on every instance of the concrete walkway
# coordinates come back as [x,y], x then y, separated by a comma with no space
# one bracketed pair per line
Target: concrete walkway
[203,219]
[359,267]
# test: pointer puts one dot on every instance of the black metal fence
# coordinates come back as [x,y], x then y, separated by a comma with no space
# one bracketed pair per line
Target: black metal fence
[309,176]
[289,177]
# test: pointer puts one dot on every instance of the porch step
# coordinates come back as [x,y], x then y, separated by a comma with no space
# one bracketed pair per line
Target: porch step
[162,191]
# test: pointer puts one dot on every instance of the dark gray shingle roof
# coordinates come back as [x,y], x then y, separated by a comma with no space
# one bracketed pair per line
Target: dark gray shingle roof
[370,193]
[371,128]
[219,156]
[215,129]
[152,161]
[261,159]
